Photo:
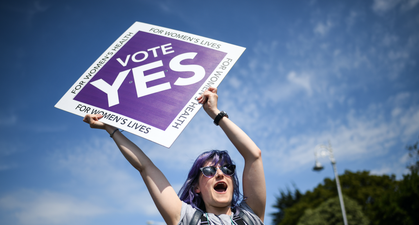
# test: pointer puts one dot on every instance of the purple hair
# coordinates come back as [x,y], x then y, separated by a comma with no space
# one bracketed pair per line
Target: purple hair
[187,192]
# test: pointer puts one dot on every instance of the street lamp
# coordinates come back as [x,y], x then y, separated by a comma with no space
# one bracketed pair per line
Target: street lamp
[318,167]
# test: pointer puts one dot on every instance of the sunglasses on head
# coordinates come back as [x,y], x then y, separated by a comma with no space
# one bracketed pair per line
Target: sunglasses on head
[210,171]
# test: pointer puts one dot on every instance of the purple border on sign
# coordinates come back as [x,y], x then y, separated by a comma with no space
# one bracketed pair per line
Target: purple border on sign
[157,109]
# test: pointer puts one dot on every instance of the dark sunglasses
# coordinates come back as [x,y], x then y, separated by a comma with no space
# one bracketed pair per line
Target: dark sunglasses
[210,171]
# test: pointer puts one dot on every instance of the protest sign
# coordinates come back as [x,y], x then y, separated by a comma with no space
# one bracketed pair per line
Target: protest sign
[147,81]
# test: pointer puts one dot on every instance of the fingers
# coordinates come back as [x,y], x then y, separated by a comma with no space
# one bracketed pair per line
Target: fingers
[212,89]
[202,99]
[89,118]
[209,93]
[209,100]
[93,120]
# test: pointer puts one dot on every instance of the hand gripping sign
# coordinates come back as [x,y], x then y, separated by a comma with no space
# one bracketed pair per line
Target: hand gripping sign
[148,80]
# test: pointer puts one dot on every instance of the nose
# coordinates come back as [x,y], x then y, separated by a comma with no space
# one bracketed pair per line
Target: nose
[219,173]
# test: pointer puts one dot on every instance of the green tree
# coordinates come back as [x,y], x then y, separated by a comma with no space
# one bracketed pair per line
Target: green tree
[383,199]
[362,187]
[401,206]
[414,156]
[366,189]
[286,200]
[330,213]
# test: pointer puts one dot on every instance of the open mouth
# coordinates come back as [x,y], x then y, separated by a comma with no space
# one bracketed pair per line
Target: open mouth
[220,187]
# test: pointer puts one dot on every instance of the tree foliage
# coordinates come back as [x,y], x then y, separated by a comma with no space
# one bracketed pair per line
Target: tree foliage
[414,156]
[400,206]
[381,199]
[362,187]
[285,200]
[330,212]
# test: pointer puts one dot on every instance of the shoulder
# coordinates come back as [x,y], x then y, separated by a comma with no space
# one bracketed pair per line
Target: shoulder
[186,214]
[245,209]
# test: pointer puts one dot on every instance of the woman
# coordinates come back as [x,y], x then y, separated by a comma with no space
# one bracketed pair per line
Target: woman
[212,185]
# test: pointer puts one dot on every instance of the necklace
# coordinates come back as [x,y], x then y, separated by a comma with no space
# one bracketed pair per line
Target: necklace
[209,222]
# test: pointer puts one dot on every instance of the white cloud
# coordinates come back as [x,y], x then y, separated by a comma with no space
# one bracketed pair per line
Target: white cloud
[405,158]
[323,28]
[409,120]
[400,98]
[363,135]
[8,120]
[382,6]
[396,111]
[7,166]
[352,18]
[99,164]
[300,80]
[409,4]
[382,170]
[390,40]
[337,75]
[45,207]
[396,166]
[96,181]
[235,82]
[7,149]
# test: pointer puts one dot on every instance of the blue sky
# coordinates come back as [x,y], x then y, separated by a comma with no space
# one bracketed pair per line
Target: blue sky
[313,71]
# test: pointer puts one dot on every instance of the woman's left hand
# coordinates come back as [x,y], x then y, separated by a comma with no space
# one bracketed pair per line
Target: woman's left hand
[209,99]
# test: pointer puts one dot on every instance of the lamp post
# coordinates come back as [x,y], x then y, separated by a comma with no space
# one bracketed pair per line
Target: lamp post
[318,167]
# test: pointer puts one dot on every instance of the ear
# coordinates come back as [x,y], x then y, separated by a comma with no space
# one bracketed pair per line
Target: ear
[197,190]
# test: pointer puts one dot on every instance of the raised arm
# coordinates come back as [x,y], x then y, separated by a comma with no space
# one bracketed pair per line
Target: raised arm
[254,186]
[164,196]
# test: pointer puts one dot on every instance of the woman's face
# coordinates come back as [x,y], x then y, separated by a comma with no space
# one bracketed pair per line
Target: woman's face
[217,191]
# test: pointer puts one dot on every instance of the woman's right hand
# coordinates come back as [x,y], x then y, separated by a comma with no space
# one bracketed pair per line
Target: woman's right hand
[93,120]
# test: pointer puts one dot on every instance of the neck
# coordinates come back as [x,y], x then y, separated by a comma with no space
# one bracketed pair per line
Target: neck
[218,211]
